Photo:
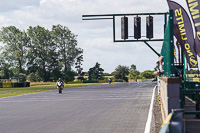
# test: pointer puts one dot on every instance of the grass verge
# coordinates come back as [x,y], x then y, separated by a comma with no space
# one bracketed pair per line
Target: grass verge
[6,92]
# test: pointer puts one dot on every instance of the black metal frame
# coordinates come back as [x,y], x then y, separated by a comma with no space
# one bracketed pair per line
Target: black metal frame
[112,17]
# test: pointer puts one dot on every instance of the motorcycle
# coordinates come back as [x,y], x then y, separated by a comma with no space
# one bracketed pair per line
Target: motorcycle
[110,80]
[60,86]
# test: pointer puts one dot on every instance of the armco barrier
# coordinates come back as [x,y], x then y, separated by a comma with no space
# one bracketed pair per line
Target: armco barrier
[132,80]
[7,85]
[139,80]
[23,84]
[103,81]
[27,84]
[173,123]
[14,85]
[119,80]
[196,79]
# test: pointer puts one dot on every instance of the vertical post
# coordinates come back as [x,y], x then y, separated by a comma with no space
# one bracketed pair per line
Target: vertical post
[113,28]
[197,99]
[184,70]
[179,53]
[171,21]
[197,104]
[183,78]
[165,20]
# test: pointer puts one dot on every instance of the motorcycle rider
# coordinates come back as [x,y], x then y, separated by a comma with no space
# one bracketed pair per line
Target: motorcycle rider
[60,80]
[110,80]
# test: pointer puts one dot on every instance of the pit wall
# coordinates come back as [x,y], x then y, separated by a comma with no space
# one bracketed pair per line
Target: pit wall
[169,89]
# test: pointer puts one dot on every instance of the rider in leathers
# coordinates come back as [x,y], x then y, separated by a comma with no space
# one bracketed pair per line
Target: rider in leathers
[62,82]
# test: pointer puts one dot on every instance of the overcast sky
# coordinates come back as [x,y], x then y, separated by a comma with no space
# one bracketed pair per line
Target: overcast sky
[94,37]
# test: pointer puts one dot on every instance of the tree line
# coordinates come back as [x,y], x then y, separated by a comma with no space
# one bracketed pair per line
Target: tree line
[38,52]
[125,73]
[46,55]
[120,72]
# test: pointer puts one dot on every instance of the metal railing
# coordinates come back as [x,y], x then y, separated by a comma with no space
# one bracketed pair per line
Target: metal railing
[167,50]
[191,89]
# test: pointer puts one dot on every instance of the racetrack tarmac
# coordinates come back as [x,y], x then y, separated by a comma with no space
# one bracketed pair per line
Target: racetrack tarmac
[115,108]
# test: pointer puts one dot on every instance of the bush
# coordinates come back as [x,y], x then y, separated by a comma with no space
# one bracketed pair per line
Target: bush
[31,77]
[147,74]
[121,72]
[134,75]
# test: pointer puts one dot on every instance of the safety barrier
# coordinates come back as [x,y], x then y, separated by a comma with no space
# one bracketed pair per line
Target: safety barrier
[165,125]
[7,85]
[196,79]
[192,79]
[119,80]
[173,122]
[139,80]
[1,85]
[132,80]
[14,85]
[104,81]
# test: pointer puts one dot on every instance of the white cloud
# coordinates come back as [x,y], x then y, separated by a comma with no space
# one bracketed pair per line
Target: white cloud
[42,2]
[9,5]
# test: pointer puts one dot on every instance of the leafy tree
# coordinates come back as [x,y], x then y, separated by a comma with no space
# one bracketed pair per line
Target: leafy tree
[15,49]
[148,74]
[31,77]
[121,72]
[79,68]
[96,72]
[68,75]
[134,74]
[133,67]
[68,51]
[41,50]
[46,54]
[5,67]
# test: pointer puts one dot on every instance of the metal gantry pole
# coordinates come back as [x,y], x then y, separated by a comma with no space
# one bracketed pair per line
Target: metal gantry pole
[152,48]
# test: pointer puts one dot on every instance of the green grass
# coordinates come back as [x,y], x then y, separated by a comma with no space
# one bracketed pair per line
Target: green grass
[6,92]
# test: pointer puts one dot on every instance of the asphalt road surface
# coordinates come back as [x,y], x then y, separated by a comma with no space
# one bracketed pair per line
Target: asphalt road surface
[115,108]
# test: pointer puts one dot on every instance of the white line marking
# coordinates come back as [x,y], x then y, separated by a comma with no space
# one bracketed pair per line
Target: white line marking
[148,123]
